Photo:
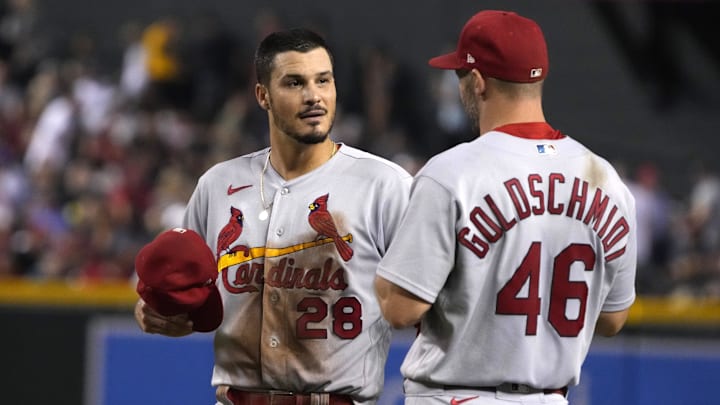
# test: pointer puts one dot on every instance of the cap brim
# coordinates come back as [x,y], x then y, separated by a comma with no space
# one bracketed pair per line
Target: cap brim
[447,61]
[158,301]
[209,315]
[169,303]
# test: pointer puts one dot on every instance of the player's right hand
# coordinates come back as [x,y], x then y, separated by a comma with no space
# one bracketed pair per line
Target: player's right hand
[152,322]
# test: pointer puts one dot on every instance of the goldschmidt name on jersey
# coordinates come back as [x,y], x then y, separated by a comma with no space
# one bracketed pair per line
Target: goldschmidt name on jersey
[538,196]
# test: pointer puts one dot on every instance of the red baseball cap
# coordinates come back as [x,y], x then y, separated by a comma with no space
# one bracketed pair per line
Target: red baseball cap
[176,275]
[499,44]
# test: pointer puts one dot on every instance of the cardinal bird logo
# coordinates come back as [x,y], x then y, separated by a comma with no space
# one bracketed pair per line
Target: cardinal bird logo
[231,232]
[322,222]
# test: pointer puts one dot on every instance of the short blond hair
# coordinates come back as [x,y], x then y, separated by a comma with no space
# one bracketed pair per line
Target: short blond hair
[516,90]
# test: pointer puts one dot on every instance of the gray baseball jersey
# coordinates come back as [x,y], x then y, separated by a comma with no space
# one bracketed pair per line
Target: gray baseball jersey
[519,243]
[297,286]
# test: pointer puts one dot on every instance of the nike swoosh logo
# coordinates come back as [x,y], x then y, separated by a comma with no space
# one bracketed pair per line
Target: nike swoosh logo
[460,401]
[234,190]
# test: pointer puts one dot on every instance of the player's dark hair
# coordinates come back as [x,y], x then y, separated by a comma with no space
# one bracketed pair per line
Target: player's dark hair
[296,39]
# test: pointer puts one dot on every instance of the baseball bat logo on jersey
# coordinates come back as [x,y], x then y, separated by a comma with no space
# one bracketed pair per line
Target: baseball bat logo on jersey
[286,274]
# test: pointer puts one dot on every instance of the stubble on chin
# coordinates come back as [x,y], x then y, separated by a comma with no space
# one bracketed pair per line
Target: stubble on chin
[312,137]
[309,139]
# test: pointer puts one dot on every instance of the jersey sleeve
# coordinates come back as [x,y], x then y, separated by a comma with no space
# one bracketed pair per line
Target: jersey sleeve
[395,203]
[422,253]
[622,289]
[195,217]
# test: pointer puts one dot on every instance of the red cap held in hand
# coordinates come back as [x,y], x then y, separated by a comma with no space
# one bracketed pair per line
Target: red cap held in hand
[499,44]
[177,273]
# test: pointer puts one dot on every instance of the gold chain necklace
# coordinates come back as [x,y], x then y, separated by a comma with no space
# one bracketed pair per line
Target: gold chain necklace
[265,213]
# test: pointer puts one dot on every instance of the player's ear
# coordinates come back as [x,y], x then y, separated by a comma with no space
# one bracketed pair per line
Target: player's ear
[478,83]
[262,97]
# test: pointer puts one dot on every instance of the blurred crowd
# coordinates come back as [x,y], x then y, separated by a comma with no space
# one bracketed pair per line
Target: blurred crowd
[678,239]
[96,158]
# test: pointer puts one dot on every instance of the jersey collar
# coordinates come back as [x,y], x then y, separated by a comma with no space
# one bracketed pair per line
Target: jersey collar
[531,130]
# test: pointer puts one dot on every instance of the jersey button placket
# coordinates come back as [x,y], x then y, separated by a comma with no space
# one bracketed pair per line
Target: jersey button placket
[274,342]
[283,191]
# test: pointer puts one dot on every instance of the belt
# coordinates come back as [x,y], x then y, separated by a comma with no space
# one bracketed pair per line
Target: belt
[514,389]
[238,397]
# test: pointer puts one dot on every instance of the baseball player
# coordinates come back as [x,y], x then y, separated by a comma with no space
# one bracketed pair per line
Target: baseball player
[516,247]
[298,230]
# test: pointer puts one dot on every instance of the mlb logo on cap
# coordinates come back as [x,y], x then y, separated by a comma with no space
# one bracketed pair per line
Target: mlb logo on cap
[176,275]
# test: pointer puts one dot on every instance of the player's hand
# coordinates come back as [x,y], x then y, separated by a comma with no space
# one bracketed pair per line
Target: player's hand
[152,322]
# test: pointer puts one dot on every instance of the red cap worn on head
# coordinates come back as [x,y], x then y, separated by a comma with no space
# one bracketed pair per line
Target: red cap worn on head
[499,44]
[177,273]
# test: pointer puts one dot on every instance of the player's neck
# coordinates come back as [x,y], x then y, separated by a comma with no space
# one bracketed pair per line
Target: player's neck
[495,115]
[293,160]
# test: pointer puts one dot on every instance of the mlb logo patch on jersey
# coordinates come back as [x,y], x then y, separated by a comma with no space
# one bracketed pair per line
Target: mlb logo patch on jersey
[546,149]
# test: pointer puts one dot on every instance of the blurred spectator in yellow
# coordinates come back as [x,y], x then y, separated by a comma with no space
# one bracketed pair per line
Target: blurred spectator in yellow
[167,76]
